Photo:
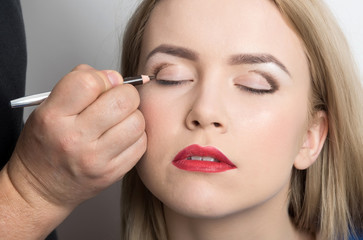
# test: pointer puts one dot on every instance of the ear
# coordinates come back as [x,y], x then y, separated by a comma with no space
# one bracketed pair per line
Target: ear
[313,141]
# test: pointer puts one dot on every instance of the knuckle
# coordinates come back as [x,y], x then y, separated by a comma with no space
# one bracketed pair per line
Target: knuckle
[139,147]
[142,143]
[44,120]
[68,142]
[50,127]
[82,67]
[90,82]
[134,126]
[86,165]
[133,154]
[133,94]
[87,81]
[126,99]
[90,162]
[138,123]
[120,104]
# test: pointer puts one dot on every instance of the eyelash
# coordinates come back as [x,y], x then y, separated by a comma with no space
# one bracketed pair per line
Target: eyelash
[169,83]
[268,77]
[256,91]
[165,82]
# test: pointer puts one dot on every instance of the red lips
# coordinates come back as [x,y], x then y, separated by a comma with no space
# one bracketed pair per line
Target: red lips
[202,159]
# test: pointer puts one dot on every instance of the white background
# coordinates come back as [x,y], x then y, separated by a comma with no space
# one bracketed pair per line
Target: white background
[63,34]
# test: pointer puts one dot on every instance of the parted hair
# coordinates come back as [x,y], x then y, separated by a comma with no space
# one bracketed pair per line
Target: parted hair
[325,200]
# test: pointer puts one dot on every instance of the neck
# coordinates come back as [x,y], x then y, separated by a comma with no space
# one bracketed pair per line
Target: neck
[267,221]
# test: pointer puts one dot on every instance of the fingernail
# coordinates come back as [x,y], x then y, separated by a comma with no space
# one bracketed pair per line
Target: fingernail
[113,77]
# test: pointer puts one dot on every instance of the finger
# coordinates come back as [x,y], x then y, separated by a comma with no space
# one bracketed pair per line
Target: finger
[122,136]
[114,77]
[78,89]
[126,160]
[83,67]
[109,109]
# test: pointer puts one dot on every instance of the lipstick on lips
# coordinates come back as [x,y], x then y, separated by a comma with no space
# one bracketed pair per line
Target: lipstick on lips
[202,159]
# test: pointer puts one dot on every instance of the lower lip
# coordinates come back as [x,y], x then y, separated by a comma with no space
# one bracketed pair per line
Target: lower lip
[202,166]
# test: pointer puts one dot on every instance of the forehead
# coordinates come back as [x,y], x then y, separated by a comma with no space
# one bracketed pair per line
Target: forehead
[218,28]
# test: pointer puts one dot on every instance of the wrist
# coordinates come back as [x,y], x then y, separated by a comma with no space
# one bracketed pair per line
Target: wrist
[25,212]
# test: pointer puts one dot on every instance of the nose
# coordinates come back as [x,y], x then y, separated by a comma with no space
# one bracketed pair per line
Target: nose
[208,109]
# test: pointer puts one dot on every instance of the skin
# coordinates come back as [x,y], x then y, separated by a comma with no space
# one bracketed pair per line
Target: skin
[264,135]
[83,138]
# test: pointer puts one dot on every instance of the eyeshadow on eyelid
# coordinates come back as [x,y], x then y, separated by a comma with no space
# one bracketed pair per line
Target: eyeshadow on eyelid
[255,80]
[268,77]
[157,67]
[172,72]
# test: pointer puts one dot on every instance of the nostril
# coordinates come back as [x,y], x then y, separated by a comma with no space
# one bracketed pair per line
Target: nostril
[216,124]
[195,123]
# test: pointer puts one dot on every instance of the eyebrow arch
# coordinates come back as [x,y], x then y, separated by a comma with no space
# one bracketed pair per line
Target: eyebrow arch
[174,51]
[256,59]
[234,60]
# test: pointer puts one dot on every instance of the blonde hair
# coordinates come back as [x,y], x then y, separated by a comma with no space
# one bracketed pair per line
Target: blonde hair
[326,199]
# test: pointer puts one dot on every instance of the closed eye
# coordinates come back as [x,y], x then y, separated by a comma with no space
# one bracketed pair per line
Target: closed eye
[255,90]
[171,75]
[170,82]
[257,82]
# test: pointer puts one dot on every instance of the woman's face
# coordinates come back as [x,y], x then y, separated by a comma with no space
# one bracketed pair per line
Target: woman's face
[227,116]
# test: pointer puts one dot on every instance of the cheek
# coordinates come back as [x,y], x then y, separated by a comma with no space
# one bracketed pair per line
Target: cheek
[154,115]
[161,115]
[272,134]
[269,141]
[283,130]
[163,120]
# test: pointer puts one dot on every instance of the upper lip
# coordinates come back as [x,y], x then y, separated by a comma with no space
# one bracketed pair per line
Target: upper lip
[207,151]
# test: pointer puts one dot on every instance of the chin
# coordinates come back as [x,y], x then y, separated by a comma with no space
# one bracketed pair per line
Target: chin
[199,211]
[197,201]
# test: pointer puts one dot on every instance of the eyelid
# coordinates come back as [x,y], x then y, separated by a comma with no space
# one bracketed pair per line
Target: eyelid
[157,68]
[269,78]
[265,82]
[172,72]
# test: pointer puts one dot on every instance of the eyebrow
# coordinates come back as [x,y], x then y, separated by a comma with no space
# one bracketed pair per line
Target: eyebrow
[237,59]
[257,59]
[174,51]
